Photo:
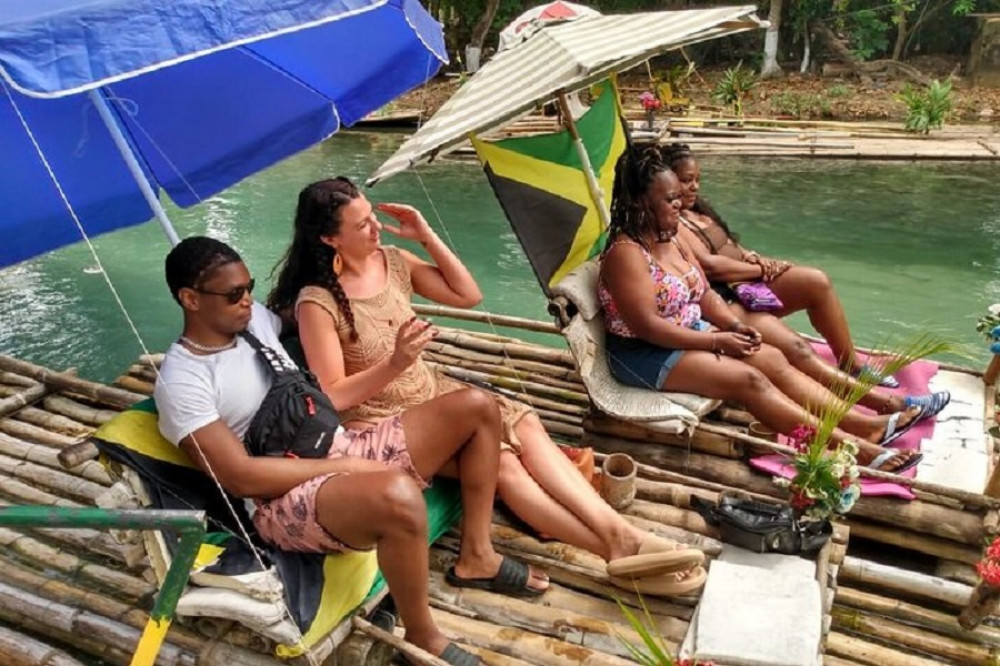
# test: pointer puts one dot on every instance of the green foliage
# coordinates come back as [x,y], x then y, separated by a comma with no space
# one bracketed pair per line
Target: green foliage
[653,651]
[801,105]
[733,87]
[839,90]
[926,109]
[678,76]
[869,33]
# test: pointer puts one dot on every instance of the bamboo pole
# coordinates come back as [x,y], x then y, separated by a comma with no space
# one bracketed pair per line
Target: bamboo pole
[65,484]
[21,399]
[14,379]
[26,494]
[513,349]
[871,654]
[500,368]
[567,625]
[135,385]
[642,438]
[921,543]
[44,456]
[889,631]
[411,651]
[75,410]
[992,371]
[36,434]
[960,572]
[53,423]
[905,583]
[522,644]
[77,454]
[915,615]
[71,564]
[498,358]
[20,650]
[62,381]
[522,387]
[506,321]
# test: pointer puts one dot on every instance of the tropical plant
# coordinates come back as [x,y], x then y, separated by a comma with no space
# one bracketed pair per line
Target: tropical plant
[734,85]
[926,109]
[654,650]
[989,322]
[826,480]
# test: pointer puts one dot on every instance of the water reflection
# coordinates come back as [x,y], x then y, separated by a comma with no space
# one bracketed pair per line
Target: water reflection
[909,246]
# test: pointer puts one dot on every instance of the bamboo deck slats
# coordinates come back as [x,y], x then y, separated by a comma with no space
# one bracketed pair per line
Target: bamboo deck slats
[879,615]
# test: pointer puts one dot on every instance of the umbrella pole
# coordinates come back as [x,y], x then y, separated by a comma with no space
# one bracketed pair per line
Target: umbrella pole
[133,166]
[588,170]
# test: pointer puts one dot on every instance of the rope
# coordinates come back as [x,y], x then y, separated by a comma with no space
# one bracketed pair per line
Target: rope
[244,535]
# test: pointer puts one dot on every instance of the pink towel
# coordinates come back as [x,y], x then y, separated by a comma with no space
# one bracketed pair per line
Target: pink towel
[913,380]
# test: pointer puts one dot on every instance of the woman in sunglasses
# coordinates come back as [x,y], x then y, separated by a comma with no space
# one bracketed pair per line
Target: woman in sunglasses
[351,298]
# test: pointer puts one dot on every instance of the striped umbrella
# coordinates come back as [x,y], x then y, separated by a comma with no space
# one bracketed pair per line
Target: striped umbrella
[555,60]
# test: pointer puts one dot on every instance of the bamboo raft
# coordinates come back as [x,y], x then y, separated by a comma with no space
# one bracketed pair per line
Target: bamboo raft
[66,593]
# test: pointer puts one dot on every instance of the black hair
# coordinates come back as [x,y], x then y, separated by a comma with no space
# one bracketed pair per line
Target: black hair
[678,152]
[308,260]
[192,261]
[634,172]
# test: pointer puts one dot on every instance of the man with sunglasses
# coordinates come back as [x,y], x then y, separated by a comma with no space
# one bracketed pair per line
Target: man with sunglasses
[212,383]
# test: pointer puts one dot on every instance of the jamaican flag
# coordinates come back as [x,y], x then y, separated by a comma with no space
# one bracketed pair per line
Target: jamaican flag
[542,187]
[319,590]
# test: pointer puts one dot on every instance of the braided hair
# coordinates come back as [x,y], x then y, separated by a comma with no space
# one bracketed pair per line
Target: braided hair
[308,260]
[634,173]
[673,155]
[192,262]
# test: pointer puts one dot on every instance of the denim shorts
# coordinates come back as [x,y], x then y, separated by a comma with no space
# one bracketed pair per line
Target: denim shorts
[638,363]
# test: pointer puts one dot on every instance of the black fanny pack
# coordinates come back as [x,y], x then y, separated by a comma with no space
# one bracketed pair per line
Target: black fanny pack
[296,419]
[762,527]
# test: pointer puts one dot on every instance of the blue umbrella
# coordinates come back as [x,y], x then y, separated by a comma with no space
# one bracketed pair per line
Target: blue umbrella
[120,99]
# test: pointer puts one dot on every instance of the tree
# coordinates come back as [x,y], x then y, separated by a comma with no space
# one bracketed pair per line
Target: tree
[478,36]
[770,68]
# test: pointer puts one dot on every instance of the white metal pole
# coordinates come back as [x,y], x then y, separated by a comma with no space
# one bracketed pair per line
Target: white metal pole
[133,165]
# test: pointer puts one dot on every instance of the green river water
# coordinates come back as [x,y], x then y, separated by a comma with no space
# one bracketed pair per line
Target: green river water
[909,246]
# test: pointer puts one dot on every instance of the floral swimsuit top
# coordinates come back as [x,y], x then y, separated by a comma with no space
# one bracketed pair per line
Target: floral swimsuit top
[676,301]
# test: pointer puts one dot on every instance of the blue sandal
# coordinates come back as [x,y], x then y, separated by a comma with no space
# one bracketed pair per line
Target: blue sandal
[865,372]
[930,404]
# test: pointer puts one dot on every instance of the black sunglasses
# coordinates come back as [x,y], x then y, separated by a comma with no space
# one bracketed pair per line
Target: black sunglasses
[234,295]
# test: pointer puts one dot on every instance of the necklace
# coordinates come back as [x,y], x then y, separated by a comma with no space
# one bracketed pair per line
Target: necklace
[206,348]
[664,236]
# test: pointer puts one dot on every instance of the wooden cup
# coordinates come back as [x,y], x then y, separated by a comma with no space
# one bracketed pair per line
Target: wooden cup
[618,480]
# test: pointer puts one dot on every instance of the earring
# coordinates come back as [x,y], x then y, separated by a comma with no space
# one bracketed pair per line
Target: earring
[338,263]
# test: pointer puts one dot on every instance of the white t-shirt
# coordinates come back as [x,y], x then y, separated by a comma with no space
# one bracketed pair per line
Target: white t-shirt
[193,391]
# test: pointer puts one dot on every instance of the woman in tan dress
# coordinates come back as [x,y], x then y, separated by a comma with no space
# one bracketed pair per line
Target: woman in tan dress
[351,298]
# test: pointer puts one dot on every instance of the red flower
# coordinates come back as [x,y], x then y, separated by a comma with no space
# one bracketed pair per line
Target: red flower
[800,500]
[800,436]
[845,482]
[989,571]
[993,552]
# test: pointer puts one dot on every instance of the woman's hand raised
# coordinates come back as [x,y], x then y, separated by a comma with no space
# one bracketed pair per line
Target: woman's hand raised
[411,339]
[412,224]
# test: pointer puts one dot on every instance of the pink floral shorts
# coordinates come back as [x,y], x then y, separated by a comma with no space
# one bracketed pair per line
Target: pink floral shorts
[289,521]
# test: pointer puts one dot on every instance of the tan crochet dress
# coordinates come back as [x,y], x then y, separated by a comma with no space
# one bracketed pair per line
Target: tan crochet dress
[377,320]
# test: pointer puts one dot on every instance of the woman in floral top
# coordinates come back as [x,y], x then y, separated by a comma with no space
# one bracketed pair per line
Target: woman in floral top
[668,332]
